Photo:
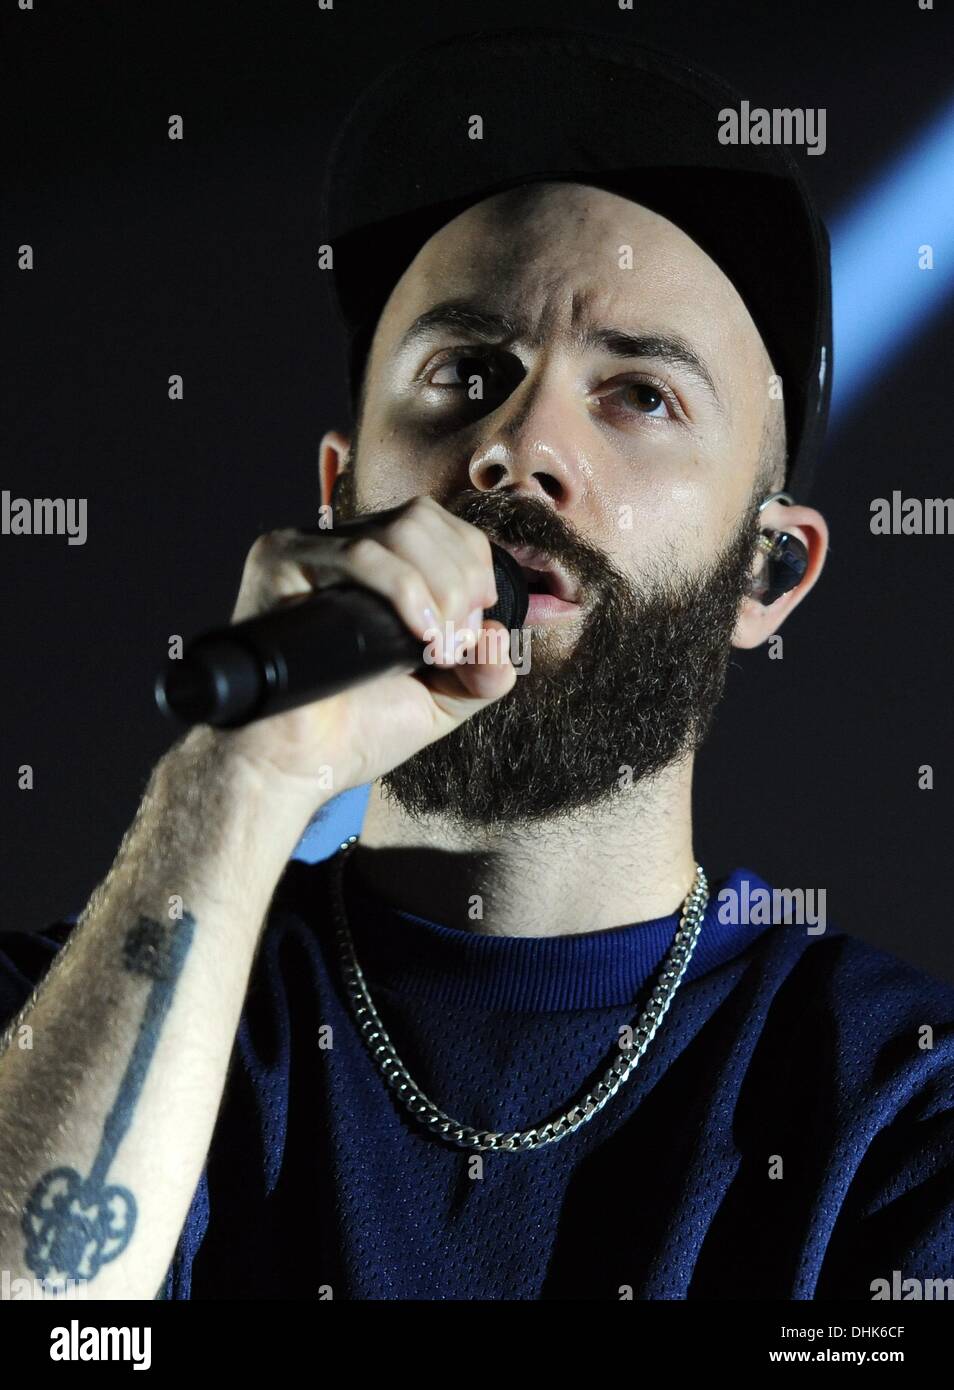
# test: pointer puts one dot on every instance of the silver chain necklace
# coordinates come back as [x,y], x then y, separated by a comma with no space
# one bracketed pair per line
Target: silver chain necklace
[617,1074]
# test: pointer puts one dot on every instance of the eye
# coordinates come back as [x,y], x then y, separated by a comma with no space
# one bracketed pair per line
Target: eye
[645,398]
[459,367]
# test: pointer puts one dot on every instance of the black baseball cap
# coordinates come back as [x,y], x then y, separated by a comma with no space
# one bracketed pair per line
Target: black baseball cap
[594,108]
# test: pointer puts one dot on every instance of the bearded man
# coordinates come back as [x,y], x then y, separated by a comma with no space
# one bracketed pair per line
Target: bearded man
[511,1043]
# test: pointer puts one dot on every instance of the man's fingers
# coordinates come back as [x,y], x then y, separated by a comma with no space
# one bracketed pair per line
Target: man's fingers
[487,676]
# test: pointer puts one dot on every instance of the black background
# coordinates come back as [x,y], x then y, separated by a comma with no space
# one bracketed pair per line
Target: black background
[198,257]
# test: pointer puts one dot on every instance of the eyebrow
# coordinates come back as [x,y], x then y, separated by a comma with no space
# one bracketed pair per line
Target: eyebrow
[467,317]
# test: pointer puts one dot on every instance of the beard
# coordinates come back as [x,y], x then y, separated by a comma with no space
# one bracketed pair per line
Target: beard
[634,692]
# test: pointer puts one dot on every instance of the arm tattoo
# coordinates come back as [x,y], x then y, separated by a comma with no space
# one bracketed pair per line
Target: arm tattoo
[74,1225]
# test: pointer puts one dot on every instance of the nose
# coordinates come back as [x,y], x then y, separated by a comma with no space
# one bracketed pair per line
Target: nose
[533,444]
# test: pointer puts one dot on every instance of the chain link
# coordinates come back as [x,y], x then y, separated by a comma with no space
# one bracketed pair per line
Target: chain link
[617,1074]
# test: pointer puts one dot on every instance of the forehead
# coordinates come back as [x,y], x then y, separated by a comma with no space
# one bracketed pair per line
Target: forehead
[560,256]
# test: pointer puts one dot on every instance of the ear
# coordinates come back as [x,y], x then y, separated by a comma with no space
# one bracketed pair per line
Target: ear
[334,456]
[757,622]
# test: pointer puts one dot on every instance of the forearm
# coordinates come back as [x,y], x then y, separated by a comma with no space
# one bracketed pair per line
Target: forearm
[132,1031]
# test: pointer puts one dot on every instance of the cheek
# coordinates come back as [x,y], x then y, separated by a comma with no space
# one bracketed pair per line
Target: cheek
[393,464]
[659,520]
[679,501]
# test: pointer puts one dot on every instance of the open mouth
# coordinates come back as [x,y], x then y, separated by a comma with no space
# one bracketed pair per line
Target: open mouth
[544,576]
[539,581]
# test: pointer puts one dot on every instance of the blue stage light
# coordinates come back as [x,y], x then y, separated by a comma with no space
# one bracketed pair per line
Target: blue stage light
[880,295]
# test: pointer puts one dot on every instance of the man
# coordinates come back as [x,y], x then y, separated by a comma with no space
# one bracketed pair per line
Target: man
[512,1045]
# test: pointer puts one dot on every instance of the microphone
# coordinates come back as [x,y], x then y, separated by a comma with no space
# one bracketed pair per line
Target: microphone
[307,649]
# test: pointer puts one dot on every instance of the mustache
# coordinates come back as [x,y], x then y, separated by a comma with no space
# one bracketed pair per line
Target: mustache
[530,521]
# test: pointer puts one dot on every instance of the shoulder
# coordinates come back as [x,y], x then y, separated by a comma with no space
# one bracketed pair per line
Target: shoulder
[791,938]
[839,972]
[833,1016]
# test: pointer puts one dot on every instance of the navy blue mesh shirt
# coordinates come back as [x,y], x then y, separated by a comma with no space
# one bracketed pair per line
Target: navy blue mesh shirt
[788,1134]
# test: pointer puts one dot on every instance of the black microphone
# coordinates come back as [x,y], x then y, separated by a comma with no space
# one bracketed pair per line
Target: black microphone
[306,650]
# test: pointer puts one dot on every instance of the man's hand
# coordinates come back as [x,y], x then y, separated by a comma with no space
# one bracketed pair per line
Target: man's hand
[434,569]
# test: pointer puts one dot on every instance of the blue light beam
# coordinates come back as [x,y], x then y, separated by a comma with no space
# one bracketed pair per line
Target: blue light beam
[880,296]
